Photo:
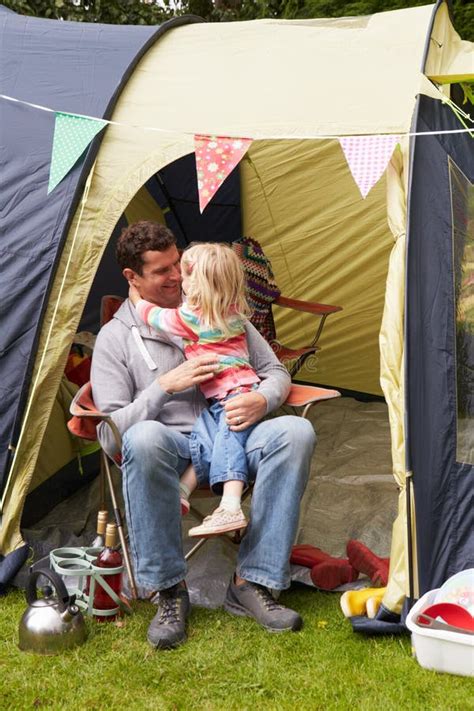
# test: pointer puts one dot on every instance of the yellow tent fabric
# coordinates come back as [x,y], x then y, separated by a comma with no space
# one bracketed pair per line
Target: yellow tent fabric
[284,78]
[284,84]
[450,58]
[143,207]
[326,244]
[59,447]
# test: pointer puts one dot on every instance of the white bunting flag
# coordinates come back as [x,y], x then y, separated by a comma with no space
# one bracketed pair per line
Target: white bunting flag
[368,157]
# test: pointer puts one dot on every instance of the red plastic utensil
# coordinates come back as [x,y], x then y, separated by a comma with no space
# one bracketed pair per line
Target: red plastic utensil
[450,613]
[424,621]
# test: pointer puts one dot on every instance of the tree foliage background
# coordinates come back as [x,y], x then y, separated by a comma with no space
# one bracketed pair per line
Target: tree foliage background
[150,12]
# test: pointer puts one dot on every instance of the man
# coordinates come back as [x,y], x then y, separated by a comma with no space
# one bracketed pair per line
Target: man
[141,378]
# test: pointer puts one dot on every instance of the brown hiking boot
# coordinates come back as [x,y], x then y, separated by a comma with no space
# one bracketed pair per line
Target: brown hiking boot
[168,627]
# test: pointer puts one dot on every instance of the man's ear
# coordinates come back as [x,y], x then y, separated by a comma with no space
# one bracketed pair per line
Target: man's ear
[130,276]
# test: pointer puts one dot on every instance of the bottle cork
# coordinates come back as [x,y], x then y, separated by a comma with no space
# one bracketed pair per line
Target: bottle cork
[110,535]
[102,517]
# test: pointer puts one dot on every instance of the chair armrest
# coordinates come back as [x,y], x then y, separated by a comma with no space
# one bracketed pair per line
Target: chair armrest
[83,405]
[78,411]
[86,417]
[307,306]
[301,395]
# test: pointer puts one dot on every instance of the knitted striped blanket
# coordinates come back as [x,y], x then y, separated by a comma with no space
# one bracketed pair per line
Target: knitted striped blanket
[262,289]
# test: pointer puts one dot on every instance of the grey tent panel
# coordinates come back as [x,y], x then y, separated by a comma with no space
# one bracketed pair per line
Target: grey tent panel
[443,483]
[66,66]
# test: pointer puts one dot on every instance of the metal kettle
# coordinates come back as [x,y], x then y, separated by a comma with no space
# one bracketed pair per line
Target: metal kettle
[53,623]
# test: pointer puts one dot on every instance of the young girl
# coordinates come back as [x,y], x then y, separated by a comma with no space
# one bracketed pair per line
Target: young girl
[212,320]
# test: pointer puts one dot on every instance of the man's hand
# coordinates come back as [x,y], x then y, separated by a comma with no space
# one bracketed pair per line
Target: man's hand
[245,410]
[191,372]
[133,294]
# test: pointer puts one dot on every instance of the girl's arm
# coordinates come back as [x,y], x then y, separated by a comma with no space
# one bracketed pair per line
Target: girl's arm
[167,320]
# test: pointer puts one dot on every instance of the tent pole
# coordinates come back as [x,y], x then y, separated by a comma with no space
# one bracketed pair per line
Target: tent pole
[411,587]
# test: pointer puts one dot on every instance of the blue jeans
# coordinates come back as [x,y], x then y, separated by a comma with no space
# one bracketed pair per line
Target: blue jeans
[217,452]
[154,457]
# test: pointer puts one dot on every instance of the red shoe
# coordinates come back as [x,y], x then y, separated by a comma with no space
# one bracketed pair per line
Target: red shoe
[185,506]
[332,573]
[308,555]
[366,562]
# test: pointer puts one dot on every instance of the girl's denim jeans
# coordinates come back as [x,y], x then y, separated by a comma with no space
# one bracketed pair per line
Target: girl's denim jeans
[217,452]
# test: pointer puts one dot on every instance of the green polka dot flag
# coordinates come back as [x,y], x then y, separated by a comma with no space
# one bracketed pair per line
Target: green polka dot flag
[72,135]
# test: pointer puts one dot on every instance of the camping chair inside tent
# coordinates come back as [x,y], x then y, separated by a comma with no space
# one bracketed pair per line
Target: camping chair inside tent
[262,292]
[86,417]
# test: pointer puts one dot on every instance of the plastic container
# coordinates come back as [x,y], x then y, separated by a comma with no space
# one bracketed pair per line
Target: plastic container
[449,652]
[459,589]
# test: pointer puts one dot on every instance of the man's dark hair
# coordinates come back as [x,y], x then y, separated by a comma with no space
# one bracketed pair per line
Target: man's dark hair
[139,238]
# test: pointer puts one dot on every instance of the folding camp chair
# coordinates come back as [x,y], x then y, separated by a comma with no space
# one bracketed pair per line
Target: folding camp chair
[86,417]
[263,292]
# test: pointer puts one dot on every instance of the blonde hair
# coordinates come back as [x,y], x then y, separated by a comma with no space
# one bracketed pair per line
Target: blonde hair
[216,283]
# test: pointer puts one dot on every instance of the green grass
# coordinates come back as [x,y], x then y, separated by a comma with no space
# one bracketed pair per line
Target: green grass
[228,663]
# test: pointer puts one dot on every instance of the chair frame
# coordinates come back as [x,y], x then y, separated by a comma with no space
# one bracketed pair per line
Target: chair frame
[300,355]
[263,293]
[83,407]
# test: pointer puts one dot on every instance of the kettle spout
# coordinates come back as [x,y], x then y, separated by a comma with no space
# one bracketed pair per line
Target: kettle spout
[69,613]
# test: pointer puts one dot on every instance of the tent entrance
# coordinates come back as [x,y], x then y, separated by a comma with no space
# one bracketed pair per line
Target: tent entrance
[366,490]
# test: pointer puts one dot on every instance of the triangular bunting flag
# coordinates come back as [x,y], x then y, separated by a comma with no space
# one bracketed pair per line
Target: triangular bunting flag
[216,157]
[368,157]
[72,135]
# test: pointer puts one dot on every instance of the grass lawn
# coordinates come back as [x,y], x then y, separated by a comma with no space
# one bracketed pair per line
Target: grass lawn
[227,663]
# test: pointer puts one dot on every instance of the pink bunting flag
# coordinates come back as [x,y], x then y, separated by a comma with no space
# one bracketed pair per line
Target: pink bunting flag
[216,158]
[368,157]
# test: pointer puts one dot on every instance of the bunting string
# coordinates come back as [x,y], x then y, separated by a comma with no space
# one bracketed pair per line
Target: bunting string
[266,137]
[367,155]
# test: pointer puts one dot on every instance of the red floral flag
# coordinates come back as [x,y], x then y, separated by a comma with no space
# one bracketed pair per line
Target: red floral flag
[216,158]
[368,157]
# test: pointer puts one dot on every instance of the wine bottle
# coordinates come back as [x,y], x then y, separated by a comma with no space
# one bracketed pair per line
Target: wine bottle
[99,540]
[110,557]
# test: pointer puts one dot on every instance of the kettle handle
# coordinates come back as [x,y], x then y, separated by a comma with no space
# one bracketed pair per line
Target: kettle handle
[55,579]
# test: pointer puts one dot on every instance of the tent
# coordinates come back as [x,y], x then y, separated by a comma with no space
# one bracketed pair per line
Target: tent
[399,262]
